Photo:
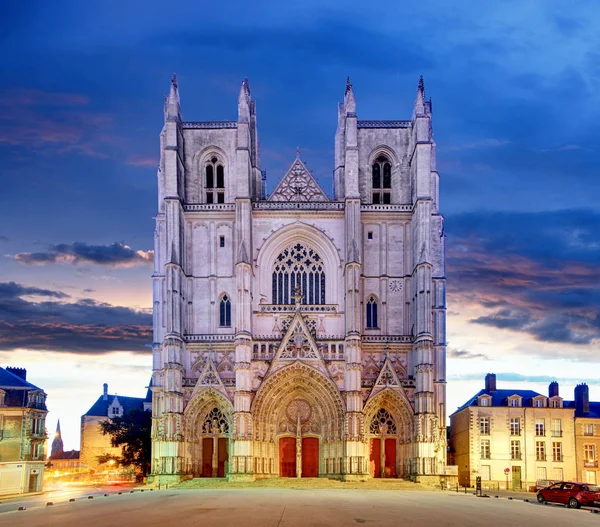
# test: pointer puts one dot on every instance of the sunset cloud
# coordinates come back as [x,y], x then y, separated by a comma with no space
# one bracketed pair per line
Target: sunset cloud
[113,255]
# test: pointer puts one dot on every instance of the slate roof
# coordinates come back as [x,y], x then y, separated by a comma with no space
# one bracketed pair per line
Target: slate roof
[100,407]
[499,398]
[16,389]
[594,409]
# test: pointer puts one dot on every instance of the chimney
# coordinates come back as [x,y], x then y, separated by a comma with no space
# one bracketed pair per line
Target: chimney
[105,392]
[582,399]
[19,372]
[490,382]
[553,389]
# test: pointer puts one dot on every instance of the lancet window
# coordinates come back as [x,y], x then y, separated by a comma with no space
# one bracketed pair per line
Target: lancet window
[382,423]
[382,180]
[214,181]
[215,423]
[372,321]
[298,266]
[225,312]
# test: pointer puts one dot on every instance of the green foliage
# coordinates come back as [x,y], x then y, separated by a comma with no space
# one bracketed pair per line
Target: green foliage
[107,458]
[131,432]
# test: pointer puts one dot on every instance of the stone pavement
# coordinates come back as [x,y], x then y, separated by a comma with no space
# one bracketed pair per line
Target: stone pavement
[266,507]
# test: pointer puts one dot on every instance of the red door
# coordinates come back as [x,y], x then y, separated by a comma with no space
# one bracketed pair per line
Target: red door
[223,456]
[390,458]
[375,464]
[207,453]
[310,457]
[287,457]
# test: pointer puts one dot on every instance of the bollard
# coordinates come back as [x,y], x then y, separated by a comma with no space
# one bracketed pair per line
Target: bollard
[119,493]
[72,499]
[22,508]
[49,503]
[90,497]
[106,494]
[457,488]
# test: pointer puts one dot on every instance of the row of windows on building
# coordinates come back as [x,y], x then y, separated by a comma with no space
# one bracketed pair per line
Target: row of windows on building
[516,402]
[515,426]
[556,474]
[515,450]
[381,181]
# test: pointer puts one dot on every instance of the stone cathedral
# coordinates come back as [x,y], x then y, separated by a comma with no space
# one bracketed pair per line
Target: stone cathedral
[298,334]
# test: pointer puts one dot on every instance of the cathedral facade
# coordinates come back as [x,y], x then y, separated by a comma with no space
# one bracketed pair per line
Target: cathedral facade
[298,335]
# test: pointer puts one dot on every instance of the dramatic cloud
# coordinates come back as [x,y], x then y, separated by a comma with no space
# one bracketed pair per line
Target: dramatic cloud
[534,272]
[113,255]
[464,354]
[85,326]
[142,162]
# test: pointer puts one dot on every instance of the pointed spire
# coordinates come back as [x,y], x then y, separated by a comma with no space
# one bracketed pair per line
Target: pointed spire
[58,434]
[172,102]
[419,108]
[57,442]
[349,100]
[244,101]
[297,152]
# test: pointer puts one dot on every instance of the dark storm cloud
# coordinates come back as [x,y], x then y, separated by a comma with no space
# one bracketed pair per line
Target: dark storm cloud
[536,272]
[85,326]
[113,255]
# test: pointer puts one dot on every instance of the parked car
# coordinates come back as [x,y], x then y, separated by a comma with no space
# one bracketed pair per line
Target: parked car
[542,484]
[573,494]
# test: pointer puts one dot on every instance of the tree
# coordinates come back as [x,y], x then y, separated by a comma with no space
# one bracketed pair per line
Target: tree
[131,432]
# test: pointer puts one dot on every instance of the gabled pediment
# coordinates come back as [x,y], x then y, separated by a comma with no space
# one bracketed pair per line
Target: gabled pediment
[387,378]
[209,377]
[298,184]
[298,344]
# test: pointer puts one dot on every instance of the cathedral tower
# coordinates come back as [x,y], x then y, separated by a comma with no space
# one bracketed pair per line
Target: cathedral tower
[296,334]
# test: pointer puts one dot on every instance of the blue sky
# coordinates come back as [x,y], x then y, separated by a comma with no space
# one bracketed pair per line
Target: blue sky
[515,90]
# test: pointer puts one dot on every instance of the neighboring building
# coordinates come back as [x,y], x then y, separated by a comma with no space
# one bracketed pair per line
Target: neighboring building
[587,435]
[59,461]
[523,431]
[22,433]
[93,442]
[299,335]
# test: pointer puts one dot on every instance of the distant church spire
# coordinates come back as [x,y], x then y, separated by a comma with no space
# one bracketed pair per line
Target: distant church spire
[57,443]
[419,108]
[349,100]
[172,101]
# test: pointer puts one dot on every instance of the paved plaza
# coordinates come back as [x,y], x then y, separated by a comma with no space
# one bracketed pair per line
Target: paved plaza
[272,507]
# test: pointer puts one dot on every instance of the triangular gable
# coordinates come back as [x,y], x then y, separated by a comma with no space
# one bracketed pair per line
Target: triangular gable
[298,344]
[387,378]
[298,184]
[210,378]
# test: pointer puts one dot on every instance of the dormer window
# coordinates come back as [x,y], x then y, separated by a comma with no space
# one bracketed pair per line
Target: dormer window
[538,403]
[485,400]
[381,180]
[2,396]
[514,401]
[214,181]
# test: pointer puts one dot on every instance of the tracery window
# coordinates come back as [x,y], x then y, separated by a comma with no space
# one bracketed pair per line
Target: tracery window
[382,422]
[298,266]
[382,180]
[225,312]
[372,321]
[215,422]
[214,181]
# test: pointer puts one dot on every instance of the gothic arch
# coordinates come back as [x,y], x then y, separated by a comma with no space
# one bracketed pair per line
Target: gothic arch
[200,406]
[398,407]
[383,150]
[311,237]
[200,159]
[298,382]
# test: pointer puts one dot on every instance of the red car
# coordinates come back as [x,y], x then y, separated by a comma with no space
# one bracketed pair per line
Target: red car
[571,493]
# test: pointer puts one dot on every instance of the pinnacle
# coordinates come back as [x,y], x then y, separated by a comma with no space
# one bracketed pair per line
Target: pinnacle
[421,86]
[348,84]
[174,80]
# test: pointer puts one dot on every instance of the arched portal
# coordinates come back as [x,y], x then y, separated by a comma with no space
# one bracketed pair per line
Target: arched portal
[387,428]
[209,426]
[298,422]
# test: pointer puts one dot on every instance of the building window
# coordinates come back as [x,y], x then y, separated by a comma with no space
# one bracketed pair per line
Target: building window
[485,449]
[214,181]
[221,241]
[557,451]
[540,473]
[372,321]
[115,410]
[484,401]
[556,428]
[513,402]
[588,430]
[589,456]
[540,427]
[485,472]
[382,423]
[539,403]
[370,235]
[515,450]
[382,180]
[225,312]
[298,266]
[484,425]
[540,451]
[515,426]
